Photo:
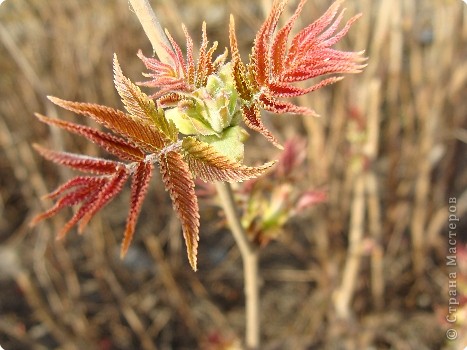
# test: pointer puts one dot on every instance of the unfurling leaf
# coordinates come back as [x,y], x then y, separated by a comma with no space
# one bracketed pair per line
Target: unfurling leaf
[210,165]
[179,183]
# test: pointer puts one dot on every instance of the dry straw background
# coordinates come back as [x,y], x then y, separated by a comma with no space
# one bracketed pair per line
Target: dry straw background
[365,270]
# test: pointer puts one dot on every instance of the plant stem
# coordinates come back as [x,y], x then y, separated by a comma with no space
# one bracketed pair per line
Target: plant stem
[153,29]
[249,253]
[250,258]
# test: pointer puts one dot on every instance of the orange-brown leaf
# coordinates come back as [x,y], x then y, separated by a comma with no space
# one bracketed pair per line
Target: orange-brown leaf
[139,105]
[204,66]
[242,85]
[132,97]
[210,165]
[179,182]
[143,133]
[190,62]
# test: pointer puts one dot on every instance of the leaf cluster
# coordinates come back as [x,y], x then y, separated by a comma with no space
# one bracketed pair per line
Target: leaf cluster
[189,126]
[139,138]
[275,64]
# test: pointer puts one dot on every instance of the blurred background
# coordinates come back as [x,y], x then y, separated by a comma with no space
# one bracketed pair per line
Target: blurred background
[364,267]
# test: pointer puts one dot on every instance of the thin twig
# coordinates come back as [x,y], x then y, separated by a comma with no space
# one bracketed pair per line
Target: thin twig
[153,29]
[250,258]
[224,191]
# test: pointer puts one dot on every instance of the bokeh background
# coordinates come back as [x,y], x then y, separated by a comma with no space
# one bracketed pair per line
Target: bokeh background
[365,269]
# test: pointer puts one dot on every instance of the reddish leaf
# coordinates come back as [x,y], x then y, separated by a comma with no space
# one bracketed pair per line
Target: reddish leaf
[180,65]
[77,181]
[292,158]
[81,189]
[252,118]
[81,212]
[260,57]
[309,199]
[312,30]
[78,161]
[164,77]
[139,187]
[178,181]
[105,195]
[85,186]
[210,166]
[274,105]
[280,43]
[186,75]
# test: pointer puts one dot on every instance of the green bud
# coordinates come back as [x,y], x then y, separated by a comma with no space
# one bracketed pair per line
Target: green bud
[211,113]
[230,143]
[188,122]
